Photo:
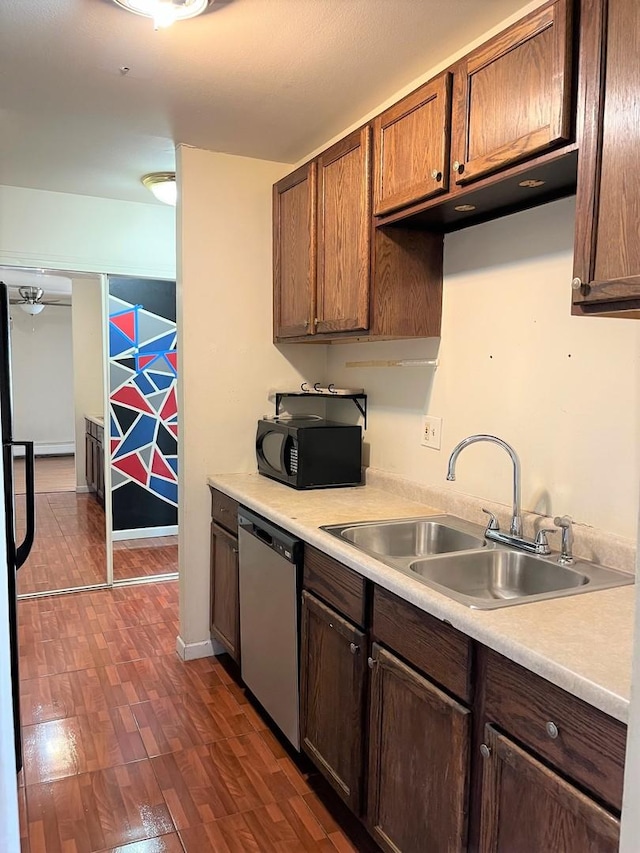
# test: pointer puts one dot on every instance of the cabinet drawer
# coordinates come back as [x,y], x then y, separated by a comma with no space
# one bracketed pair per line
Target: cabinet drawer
[339,586]
[589,746]
[438,650]
[224,510]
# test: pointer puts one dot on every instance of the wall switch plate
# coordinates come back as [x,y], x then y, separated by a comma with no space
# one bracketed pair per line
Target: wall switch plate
[431,432]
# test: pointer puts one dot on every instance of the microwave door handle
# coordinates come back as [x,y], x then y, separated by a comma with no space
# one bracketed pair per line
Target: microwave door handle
[286,444]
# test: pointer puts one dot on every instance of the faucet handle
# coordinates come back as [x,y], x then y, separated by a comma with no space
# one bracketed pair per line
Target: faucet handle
[493,523]
[541,535]
[563,521]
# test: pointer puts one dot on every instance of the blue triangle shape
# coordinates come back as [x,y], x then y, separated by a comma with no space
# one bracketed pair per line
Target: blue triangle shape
[141,433]
[161,345]
[161,380]
[118,343]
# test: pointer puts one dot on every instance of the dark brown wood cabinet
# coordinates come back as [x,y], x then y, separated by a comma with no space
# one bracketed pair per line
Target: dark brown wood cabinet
[512,96]
[333,667]
[419,741]
[411,147]
[294,252]
[526,806]
[224,592]
[607,239]
[94,459]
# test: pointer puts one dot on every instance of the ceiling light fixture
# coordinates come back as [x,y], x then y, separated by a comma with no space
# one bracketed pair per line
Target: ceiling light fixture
[165,12]
[32,308]
[162,185]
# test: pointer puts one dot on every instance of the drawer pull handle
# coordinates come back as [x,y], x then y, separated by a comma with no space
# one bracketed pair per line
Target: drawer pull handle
[353,648]
[371,663]
[234,550]
[485,751]
[552,730]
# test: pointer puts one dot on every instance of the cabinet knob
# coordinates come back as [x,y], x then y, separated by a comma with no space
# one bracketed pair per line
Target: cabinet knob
[353,648]
[552,730]
[234,550]
[436,174]
[458,167]
[371,662]
[583,287]
[485,751]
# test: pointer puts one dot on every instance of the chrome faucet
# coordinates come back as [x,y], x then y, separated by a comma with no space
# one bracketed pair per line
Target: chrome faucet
[514,538]
[516,520]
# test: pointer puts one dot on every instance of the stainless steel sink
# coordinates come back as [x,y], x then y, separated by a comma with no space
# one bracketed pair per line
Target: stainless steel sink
[451,556]
[416,537]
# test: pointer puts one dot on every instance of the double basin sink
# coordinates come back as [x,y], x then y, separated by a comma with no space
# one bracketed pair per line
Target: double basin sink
[451,556]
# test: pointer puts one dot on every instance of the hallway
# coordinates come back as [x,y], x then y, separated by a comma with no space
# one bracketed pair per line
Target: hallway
[127,748]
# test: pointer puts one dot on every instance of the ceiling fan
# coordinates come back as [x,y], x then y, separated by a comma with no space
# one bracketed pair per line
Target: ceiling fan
[32,300]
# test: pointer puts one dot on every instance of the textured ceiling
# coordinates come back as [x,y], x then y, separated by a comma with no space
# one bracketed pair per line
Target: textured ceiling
[263,78]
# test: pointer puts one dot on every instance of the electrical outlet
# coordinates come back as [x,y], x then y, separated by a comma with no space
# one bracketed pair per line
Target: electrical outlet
[431,432]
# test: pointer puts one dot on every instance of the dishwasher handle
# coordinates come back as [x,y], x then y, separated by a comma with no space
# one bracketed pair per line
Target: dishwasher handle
[273,537]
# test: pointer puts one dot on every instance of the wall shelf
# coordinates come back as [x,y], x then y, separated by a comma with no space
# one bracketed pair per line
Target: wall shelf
[359,398]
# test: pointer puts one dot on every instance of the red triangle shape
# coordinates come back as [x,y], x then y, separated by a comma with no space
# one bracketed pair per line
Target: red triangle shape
[170,406]
[114,443]
[143,360]
[172,358]
[173,428]
[130,396]
[127,324]
[132,465]
[161,468]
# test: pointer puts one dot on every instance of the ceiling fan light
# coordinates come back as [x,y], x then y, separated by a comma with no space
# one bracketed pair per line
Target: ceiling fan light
[31,308]
[162,185]
[165,12]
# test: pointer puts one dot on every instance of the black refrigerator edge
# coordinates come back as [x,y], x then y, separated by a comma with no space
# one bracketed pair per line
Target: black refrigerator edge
[16,554]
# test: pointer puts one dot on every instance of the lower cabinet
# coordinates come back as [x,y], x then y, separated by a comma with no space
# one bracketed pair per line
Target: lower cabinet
[225,601]
[527,807]
[94,460]
[333,655]
[419,745]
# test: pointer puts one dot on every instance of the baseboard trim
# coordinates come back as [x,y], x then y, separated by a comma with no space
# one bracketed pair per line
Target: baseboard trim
[82,490]
[144,532]
[193,651]
[63,449]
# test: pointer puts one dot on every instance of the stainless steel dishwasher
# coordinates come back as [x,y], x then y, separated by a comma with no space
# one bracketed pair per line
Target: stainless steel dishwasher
[270,560]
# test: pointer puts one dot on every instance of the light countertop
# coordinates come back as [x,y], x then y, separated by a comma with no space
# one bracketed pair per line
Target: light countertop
[95,419]
[582,643]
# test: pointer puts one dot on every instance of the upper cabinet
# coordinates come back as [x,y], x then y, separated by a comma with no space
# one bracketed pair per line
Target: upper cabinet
[512,96]
[344,235]
[294,245]
[607,243]
[411,147]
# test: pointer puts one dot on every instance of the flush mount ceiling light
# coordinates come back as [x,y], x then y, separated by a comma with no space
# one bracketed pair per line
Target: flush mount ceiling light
[162,185]
[165,12]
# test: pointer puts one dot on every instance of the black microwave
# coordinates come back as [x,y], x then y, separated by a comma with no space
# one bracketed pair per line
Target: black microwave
[307,452]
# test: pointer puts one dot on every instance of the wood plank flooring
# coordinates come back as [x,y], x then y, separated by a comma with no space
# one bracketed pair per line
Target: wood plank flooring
[137,558]
[70,543]
[129,749]
[53,474]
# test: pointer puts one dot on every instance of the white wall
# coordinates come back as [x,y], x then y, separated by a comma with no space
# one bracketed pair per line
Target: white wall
[88,357]
[514,362]
[82,233]
[42,374]
[227,361]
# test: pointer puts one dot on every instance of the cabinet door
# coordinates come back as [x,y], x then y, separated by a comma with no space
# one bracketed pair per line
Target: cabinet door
[99,469]
[529,808]
[344,234]
[333,662]
[225,601]
[418,761]
[294,253]
[411,147]
[512,96]
[607,242]
[89,462]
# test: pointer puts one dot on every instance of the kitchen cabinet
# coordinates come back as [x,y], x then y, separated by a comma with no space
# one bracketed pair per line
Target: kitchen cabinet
[607,249]
[512,95]
[335,277]
[225,597]
[526,806]
[419,741]
[294,252]
[333,666]
[94,459]
[411,147]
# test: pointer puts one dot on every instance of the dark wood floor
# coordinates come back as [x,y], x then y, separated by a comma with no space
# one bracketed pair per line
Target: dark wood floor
[129,749]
